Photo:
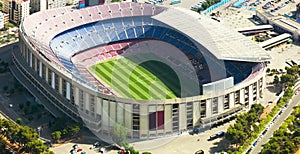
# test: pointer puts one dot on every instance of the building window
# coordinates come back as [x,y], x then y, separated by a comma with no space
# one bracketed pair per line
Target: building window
[152,120]
[237,97]
[175,117]
[215,105]
[189,114]
[203,109]
[226,102]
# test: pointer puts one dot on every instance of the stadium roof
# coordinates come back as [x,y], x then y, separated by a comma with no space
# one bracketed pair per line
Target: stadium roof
[221,41]
[210,36]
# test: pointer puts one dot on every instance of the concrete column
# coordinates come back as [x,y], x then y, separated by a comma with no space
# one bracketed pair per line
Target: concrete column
[105,118]
[46,74]
[208,107]
[98,105]
[242,96]
[128,118]
[144,119]
[231,100]
[30,59]
[86,101]
[182,116]
[35,64]
[60,85]
[257,90]
[76,96]
[53,80]
[196,112]
[120,113]
[220,104]
[112,113]
[68,90]
[168,118]
[40,69]
[250,95]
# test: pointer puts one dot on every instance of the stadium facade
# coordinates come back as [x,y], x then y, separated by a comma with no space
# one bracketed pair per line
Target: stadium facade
[57,45]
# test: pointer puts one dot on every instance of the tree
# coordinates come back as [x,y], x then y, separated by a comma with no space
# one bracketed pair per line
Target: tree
[287,78]
[30,118]
[56,135]
[119,133]
[34,109]
[27,134]
[268,70]
[9,25]
[19,121]
[273,71]
[28,103]
[35,147]
[12,91]
[58,124]
[294,70]
[5,88]
[21,106]
[276,79]
[73,129]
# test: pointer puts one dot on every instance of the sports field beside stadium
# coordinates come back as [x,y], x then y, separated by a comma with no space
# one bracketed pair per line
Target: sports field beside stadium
[151,80]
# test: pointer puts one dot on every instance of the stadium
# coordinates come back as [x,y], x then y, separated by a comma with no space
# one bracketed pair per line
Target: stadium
[158,70]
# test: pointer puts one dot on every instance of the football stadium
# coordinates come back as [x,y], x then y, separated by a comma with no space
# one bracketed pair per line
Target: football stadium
[159,70]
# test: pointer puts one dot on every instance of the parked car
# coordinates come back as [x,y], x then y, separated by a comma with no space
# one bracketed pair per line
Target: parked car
[221,134]
[215,136]
[193,131]
[199,152]
[96,144]
[79,150]
[75,146]
[264,132]
[254,144]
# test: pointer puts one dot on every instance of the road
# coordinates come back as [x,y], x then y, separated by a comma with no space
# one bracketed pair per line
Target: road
[295,101]
[5,51]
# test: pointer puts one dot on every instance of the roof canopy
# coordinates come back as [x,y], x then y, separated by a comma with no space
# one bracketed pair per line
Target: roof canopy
[208,35]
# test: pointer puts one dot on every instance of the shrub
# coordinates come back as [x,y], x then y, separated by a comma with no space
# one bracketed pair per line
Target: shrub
[30,118]
[21,106]
[39,116]
[19,121]
[28,103]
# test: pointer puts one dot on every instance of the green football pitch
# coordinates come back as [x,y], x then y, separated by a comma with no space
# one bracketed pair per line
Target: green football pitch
[150,80]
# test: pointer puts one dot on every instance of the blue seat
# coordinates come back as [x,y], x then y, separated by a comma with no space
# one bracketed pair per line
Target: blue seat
[103,35]
[122,35]
[67,63]
[127,22]
[113,35]
[107,24]
[89,27]
[158,32]
[148,31]
[130,33]
[138,21]
[139,32]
